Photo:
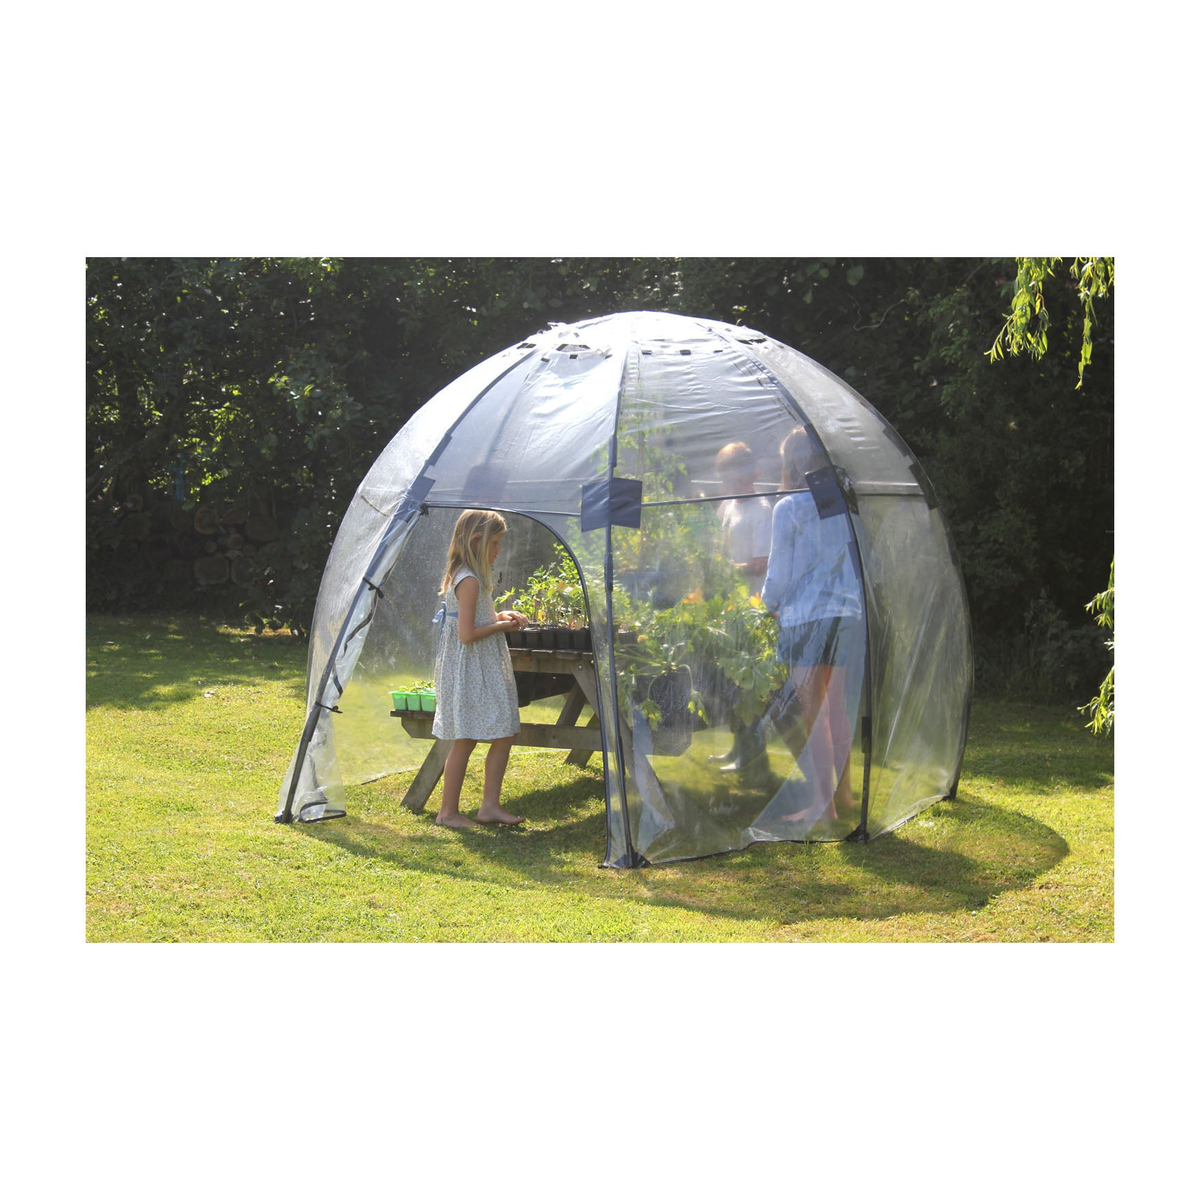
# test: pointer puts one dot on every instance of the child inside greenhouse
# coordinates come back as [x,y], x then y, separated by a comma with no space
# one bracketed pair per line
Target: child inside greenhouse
[746,533]
[473,677]
[745,517]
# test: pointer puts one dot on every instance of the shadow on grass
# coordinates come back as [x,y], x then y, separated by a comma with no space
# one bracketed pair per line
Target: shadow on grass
[959,855]
[1035,750]
[150,661]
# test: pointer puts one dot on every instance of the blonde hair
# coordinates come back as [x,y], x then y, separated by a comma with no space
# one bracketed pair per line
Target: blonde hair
[473,530]
[798,454]
[737,456]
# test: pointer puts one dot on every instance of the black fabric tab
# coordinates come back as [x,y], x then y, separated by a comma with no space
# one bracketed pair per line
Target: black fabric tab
[823,484]
[611,501]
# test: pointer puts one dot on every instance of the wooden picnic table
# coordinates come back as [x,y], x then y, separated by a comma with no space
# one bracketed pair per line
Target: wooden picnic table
[581,740]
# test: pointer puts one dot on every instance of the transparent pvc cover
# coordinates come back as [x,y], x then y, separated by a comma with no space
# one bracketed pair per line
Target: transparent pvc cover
[777,649]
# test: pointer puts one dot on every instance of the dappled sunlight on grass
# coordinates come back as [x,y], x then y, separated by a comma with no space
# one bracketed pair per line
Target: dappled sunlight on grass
[957,858]
[191,725]
[169,660]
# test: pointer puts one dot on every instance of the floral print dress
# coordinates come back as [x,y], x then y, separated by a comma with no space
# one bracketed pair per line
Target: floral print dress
[475,685]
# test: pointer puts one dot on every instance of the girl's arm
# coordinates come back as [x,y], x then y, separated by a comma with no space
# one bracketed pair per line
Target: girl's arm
[468,597]
[779,562]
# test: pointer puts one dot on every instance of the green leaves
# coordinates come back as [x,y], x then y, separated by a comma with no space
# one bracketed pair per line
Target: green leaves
[1027,325]
[1101,709]
[553,594]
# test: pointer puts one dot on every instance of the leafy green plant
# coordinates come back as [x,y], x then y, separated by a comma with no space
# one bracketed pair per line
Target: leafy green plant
[715,629]
[726,639]
[1028,321]
[1101,710]
[552,595]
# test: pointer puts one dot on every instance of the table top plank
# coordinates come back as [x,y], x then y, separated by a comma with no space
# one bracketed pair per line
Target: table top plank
[552,737]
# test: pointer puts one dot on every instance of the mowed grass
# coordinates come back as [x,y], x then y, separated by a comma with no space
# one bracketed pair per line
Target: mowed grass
[191,725]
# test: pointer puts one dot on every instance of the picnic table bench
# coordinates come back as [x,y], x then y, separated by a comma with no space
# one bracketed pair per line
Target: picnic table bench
[582,741]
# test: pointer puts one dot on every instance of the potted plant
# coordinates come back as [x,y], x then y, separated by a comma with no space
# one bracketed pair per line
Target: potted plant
[416,697]
[425,695]
[687,623]
[553,600]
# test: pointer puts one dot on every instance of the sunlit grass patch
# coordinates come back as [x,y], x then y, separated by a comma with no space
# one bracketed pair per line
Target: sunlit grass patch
[191,726]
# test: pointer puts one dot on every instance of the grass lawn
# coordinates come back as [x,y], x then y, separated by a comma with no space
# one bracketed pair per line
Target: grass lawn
[191,725]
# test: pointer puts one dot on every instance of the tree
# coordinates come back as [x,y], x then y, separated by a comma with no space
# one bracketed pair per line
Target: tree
[1101,709]
[1028,322]
[224,389]
[265,387]
[1025,331]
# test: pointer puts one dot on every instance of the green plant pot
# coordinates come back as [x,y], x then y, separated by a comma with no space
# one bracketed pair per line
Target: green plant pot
[399,701]
[428,701]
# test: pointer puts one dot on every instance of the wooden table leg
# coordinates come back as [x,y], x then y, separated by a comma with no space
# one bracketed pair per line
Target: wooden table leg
[426,778]
[579,758]
[573,705]
[584,691]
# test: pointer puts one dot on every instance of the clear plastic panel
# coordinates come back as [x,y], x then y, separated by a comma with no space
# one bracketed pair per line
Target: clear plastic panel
[729,660]
[319,792]
[729,735]
[378,497]
[401,645]
[920,657]
[533,441]
[857,438]
[589,550]
[682,405]
[397,655]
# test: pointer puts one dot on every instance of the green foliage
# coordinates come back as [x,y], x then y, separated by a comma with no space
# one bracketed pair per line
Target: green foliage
[1026,329]
[1101,709]
[730,631]
[716,631]
[1054,659]
[1022,462]
[269,385]
[552,595]
[1027,325]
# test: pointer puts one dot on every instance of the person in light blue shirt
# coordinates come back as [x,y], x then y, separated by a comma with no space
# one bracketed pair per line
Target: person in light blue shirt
[812,588]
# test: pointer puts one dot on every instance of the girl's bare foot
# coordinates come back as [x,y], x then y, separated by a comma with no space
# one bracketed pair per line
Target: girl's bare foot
[812,813]
[454,821]
[497,816]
